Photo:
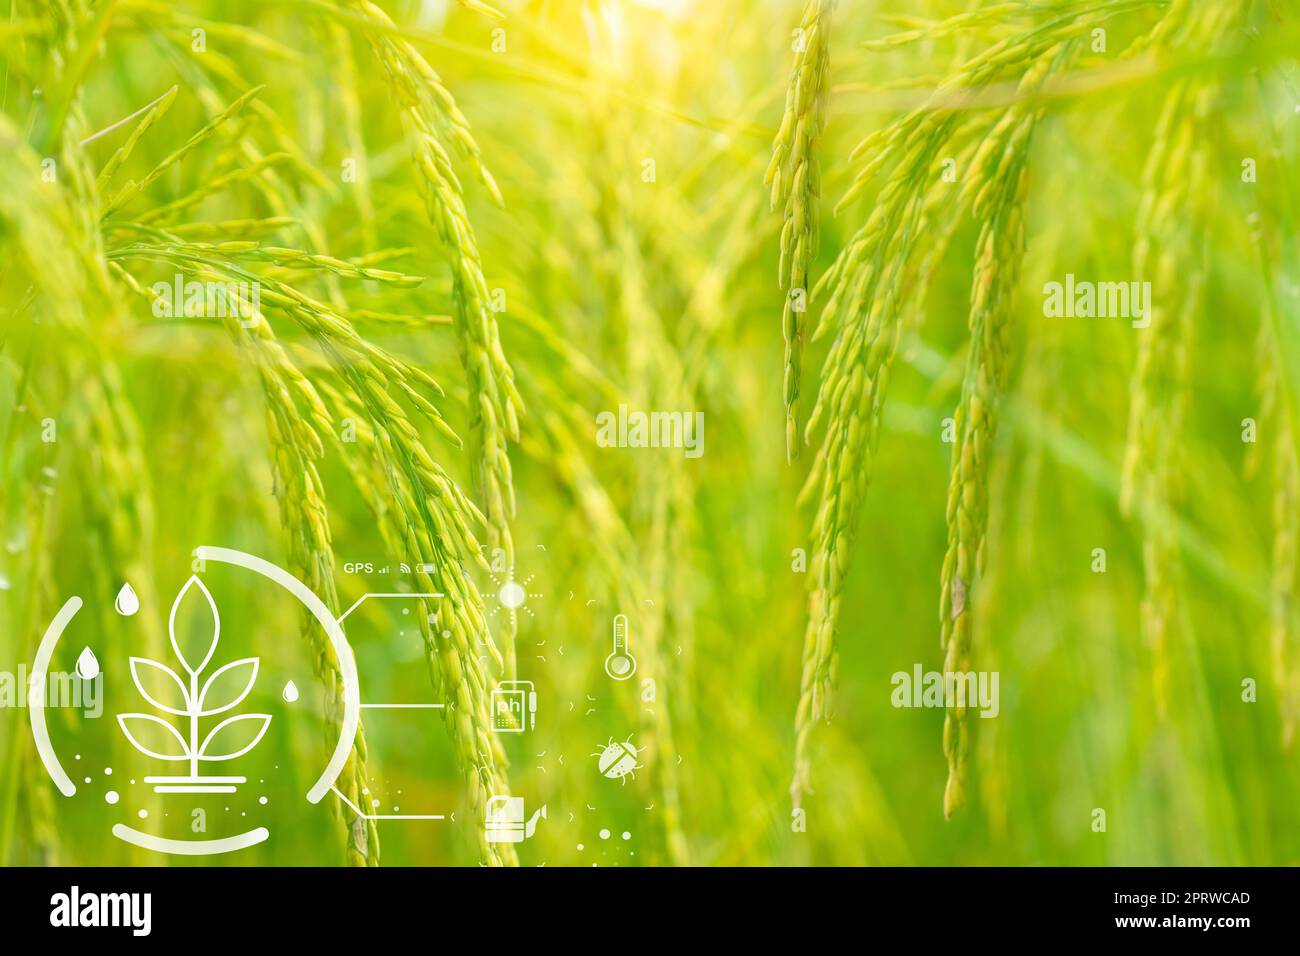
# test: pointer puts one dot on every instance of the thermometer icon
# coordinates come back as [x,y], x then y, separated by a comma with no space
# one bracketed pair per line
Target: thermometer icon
[620,665]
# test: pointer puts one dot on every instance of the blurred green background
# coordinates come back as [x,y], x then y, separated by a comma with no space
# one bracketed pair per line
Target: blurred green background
[658,286]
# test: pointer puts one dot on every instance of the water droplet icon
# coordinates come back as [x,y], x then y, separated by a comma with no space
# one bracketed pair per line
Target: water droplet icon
[290,692]
[127,603]
[87,665]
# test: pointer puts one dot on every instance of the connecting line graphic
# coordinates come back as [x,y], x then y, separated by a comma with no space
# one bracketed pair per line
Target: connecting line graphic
[356,809]
[405,706]
[389,594]
[387,816]
[393,816]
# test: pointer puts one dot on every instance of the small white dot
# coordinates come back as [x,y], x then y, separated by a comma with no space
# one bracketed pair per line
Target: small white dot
[262,800]
[87,780]
[77,756]
[108,771]
[112,796]
[626,835]
[142,814]
[604,834]
[375,804]
[581,847]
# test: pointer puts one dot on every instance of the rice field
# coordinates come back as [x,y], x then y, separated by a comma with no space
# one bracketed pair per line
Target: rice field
[729,432]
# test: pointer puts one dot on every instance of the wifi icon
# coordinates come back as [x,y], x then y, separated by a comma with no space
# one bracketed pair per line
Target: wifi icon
[404,568]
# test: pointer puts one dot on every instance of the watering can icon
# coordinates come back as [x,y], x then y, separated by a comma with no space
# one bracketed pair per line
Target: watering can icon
[504,820]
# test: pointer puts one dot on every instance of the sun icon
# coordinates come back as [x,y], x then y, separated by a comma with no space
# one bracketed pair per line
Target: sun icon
[512,596]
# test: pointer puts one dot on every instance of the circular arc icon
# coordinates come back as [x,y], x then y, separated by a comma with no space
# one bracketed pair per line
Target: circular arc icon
[348,675]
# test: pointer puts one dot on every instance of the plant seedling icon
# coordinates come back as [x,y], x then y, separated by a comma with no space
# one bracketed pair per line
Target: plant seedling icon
[192,698]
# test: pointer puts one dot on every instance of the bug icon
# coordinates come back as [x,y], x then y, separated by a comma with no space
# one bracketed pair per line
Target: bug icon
[618,761]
